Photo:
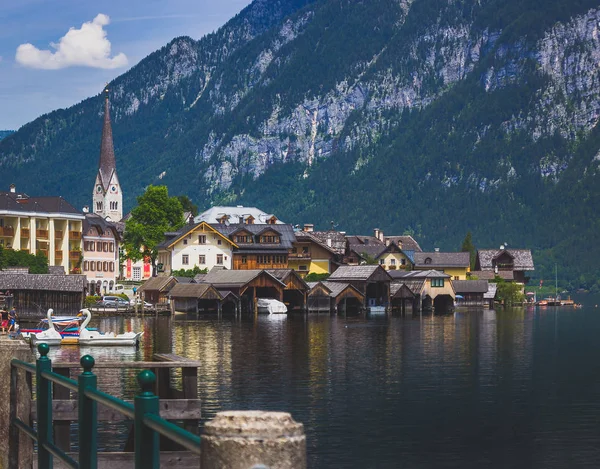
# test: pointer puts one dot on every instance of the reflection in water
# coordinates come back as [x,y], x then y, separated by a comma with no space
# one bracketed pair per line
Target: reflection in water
[517,388]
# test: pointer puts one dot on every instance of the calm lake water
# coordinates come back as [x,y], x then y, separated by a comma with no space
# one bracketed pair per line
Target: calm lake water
[506,389]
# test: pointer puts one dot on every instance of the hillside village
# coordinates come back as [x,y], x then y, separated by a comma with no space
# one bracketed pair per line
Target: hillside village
[246,254]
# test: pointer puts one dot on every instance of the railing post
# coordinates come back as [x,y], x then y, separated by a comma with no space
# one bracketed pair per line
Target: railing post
[44,407]
[147,449]
[88,416]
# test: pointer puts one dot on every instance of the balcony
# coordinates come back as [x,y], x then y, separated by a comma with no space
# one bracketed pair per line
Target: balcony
[75,270]
[58,234]
[299,255]
[7,231]
[58,255]
[42,234]
[43,251]
[24,232]
[74,235]
[74,255]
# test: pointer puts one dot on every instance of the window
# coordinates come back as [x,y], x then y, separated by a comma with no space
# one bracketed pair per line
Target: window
[111,266]
[269,239]
[105,266]
[250,220]
[98,206]
[111,247]
[137,273]
[243,239]
[99,246]
[305,250]
[402,261]
[86,265]
[92,266]
[303,268]
[294,250]
[219,259]
[185,242]
[456,277]
[201,239]
[437,282]
[185,259]
[219,242]
[244,259]
[428,260]
[381,261]
[105,247]
[393,262]
[99,266]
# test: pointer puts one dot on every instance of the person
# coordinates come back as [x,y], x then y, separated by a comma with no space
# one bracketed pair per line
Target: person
[3,320]
[12,319]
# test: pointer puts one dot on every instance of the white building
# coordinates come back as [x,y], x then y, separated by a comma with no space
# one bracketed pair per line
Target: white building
[198,245]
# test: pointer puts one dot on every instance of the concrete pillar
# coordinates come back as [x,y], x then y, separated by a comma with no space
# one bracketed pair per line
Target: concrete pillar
[22,445]
[244,439]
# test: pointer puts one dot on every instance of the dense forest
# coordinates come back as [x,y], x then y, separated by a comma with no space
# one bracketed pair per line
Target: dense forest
[5,133]
[426,117]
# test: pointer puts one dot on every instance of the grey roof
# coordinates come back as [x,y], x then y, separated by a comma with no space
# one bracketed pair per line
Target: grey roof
[396,285]
[522,258]
[399,273]
[102,225]
[199,278]
[337,288]
[415,285]
[223,278]
[491,293]
[46,282]
[190,290]
[470,286]
[155,283]
[19,202]
[354,272]
[56,270]
[306,236]
[407,243]
[286,231]
[443,259]
[491,275]
[184,279]
[331,238]
[403,275]
[369,245]
[171,236]
[213,214]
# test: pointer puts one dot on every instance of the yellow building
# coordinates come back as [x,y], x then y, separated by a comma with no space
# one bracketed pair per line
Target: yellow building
[455,264]
[393,258]
[42,225]
[309,255]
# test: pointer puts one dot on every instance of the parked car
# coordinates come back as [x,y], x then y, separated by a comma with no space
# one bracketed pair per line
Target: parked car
[113,302]
[138,301]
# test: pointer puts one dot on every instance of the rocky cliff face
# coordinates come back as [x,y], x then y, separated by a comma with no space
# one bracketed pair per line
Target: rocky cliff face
[487,110]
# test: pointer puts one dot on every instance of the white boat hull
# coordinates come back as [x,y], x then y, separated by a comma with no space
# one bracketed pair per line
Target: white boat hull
[132,339]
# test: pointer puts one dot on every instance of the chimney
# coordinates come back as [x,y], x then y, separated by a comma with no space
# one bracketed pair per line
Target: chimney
[329,242]
[376,233]
[436,249]
[308,227]
[13,188]
[86,209]
[387,242]
[502,247]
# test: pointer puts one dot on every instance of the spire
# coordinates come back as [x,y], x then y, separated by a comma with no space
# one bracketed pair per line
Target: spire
[107,164]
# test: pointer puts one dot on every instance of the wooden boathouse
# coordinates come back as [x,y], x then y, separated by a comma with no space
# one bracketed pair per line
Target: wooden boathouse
[471,291]
[196,298]
[296,289]
[34,294]
[334,297]
[372,281]
[156,290]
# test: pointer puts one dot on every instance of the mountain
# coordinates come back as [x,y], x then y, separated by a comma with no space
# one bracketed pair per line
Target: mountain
[432,117]
[5,133]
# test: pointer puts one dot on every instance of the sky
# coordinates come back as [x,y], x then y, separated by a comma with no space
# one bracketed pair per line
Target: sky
[54,54]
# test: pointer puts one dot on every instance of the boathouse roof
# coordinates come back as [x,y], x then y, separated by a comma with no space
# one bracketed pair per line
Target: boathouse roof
[491,293]
[223,278]
[194,290]
[442,259]
[157,284]
[491,275]
[360,273]
[47,282]
[470,286]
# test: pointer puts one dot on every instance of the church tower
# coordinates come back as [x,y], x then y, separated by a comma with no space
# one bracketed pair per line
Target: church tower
[107,196]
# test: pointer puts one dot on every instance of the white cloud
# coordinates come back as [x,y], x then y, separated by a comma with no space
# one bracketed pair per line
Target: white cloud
[86,47]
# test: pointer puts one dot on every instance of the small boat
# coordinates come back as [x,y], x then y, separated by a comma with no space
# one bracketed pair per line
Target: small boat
[271,306]
[50,336]
[87,337]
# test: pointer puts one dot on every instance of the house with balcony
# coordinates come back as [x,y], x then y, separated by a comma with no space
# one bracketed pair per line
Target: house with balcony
[309,254]
[510,264]
[42,225]
[100,253]
[196,245]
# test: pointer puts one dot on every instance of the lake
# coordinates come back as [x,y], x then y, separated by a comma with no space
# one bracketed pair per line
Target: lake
[498,389]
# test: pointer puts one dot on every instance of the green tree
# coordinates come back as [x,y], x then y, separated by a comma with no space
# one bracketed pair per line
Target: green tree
[187,204]
[1,257]
[38,264]
[155,214]
[313,277]
[190,273]
[509,293]
[368,259]
[468,246]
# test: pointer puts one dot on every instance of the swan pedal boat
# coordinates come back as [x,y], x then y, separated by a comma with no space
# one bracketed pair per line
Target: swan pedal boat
[86,337]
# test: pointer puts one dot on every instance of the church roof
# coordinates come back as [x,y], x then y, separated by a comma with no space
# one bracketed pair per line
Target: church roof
[107,165]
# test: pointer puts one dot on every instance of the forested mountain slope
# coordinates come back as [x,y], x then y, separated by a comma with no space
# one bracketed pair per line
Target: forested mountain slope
[431,116]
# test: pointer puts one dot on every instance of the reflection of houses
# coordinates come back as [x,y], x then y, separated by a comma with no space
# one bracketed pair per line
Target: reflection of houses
[515,261]
[334,296]
[198,245]
[100,253]
[430,289]
[372,281]
[42,225]
[455,264]
[471,291]
[34,293]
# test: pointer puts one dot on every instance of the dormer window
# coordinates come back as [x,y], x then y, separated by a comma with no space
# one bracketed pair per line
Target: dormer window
[244,238]
[270,239]
[250,220]
[272,221]
[223,219]
[428,260]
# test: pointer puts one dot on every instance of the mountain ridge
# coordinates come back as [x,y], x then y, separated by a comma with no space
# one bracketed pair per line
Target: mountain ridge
[426,116]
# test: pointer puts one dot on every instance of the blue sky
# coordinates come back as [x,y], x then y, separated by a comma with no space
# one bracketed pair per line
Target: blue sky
[45,66]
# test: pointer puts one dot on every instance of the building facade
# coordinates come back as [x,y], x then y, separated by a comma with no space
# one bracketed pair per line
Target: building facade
[100,254]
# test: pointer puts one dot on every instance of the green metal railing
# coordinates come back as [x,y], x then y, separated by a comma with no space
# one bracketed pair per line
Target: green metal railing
[148,424]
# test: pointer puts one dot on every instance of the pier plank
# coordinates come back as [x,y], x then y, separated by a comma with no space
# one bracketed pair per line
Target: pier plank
[179,459]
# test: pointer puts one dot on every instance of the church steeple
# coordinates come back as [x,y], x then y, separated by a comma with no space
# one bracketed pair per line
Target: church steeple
[107,195]
[107,164]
